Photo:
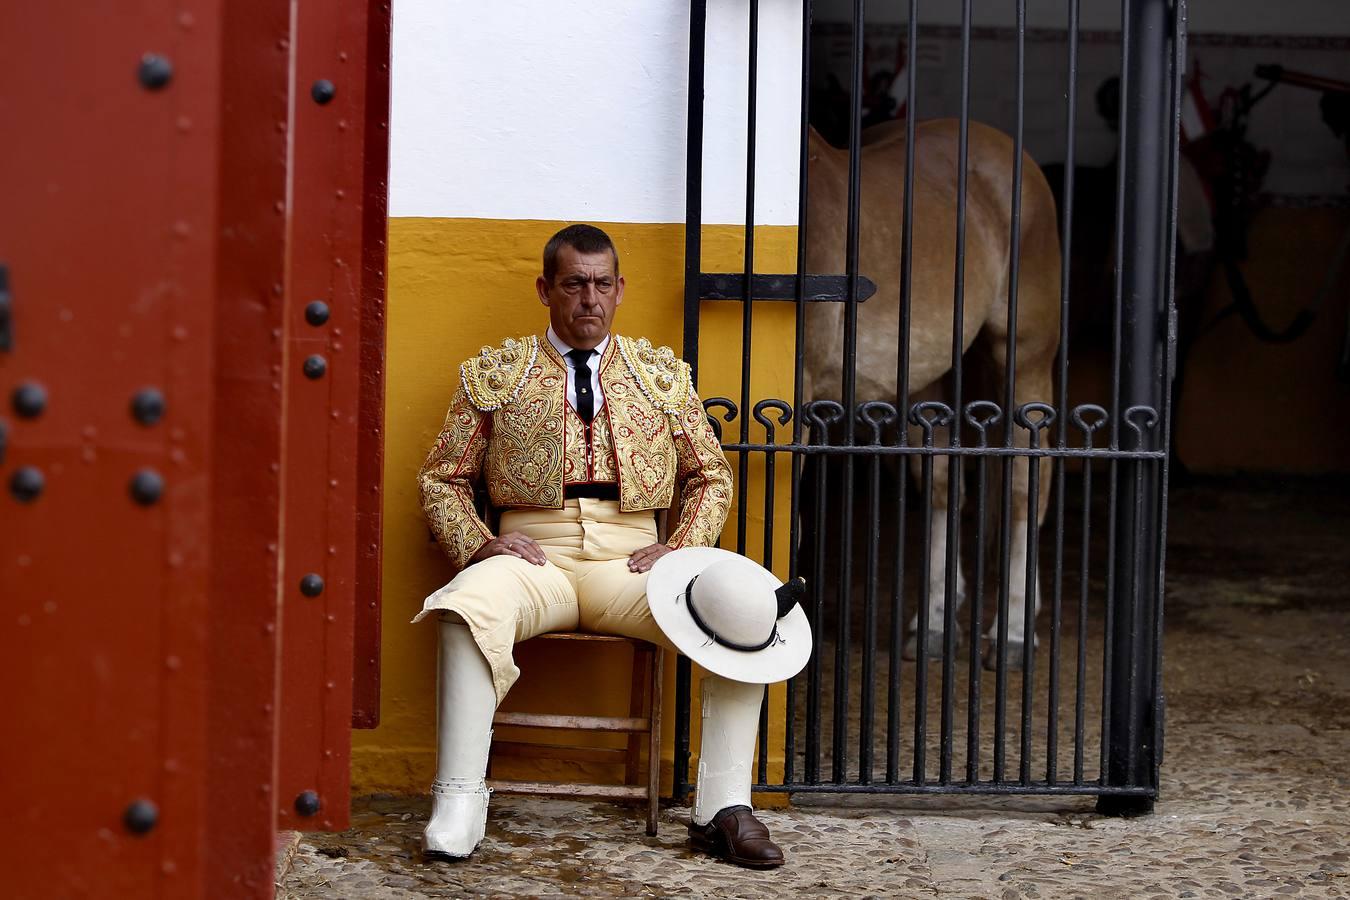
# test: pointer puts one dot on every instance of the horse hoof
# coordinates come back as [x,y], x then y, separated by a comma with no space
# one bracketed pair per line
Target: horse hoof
[1016,651]
[934,648]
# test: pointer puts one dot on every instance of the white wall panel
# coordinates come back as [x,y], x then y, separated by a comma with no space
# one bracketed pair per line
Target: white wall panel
[539,109]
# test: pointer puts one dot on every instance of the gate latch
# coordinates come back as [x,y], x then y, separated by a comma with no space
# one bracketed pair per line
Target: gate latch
[6,317]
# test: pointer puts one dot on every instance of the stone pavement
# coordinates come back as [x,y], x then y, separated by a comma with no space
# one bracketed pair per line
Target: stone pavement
[1256,780]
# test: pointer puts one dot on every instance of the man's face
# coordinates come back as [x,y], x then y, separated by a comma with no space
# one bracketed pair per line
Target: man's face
[582,298]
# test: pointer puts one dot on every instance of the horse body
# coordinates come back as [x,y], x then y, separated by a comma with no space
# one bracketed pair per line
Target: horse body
[987,276]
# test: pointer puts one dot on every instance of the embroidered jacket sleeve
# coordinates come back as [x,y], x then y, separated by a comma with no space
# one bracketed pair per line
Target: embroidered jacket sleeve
[446,481]
[702,479]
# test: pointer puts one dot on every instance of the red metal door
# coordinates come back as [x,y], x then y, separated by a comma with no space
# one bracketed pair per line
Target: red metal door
[152,334]
[336,340]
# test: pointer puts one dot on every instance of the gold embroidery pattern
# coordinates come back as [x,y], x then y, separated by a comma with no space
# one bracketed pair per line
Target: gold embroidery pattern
[446,479]
[574,457]
[525,460]
[662,377]
[495,376]
[644,444]
[603,467]
[602,448]
[705,479]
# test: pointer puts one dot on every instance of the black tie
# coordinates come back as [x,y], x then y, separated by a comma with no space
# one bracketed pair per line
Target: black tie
[582,374]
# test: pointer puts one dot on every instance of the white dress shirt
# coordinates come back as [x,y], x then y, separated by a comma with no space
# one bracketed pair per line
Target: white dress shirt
[593,362]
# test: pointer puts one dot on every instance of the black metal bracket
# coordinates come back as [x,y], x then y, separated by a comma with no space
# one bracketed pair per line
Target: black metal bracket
[818,288]
[6,311]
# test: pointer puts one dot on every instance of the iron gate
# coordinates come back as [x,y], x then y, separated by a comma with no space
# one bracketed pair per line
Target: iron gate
[1083,714]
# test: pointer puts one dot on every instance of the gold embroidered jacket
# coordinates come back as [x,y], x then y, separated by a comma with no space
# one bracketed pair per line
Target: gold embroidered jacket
[510,424]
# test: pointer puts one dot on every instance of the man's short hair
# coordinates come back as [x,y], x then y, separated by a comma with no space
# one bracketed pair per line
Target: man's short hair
[581,238]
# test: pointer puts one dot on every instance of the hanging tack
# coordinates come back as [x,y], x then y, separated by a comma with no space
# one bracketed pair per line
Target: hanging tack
[322,91]
[147,486]
[155,71]
[26,484]
[148,406]
[141,816]
[315,366]
[30,399]
[311,585]
[307,803]
[316,313]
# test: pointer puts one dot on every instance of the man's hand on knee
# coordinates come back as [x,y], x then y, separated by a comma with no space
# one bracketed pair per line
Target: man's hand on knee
[642,560]
[513,543]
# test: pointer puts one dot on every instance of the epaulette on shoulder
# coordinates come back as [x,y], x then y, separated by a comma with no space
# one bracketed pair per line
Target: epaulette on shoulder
[663,377]
[495,376]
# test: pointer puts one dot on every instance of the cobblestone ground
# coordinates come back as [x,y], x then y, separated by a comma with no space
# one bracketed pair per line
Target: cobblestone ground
[1256,780]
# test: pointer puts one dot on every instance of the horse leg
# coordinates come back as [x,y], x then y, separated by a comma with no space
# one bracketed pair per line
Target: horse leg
[1034,383]
[935,579]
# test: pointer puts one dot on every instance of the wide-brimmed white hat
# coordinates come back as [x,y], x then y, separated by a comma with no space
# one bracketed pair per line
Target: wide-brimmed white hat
[730,615]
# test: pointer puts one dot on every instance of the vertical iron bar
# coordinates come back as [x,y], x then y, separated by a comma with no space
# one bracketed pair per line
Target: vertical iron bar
[1109,617]
[790,732]
[893,694]
[803,160]
[683,675]
[952,561]
[764,738]
[1006,471]
[693,267]
[748,301]
[870,619]
[1137,579]
[1124,157]
[894,697]
[1084,585]
[1145,173]
[817,618]
[925,589]
[849,369]
[1178,73]
[976,601]
[1001,639]
[1029,639]
[693,191]
[1062,401]
[1056,621]
[1032,500]
[770,475]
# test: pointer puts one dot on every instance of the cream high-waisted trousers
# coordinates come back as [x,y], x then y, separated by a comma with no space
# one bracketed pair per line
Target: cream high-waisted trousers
[584,586]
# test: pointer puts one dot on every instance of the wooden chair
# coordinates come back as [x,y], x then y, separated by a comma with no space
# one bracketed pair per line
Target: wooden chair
[644,718]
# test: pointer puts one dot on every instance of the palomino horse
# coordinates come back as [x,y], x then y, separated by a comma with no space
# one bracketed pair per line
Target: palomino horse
[987,275]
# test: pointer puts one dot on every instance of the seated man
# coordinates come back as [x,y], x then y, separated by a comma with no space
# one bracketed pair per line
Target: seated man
[581,435]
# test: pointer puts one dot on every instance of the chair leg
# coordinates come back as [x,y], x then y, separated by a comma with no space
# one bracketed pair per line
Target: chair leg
[658,658]
[637,700]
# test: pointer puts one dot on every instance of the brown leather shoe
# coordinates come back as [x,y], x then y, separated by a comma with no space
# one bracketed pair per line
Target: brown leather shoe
[734,834]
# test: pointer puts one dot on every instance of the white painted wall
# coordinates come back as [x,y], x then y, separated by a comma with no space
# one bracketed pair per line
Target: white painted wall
[1319,17]
[539,109]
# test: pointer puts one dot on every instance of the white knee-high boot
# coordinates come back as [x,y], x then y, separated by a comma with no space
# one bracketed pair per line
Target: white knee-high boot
[466,701]
[727,750]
